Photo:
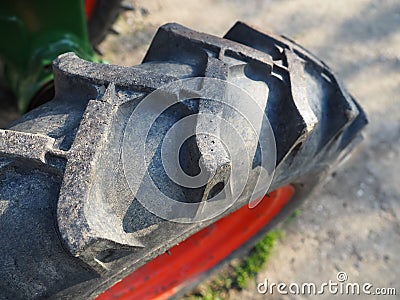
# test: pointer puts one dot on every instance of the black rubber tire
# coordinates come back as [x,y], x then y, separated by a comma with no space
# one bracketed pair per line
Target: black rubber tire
[65,154]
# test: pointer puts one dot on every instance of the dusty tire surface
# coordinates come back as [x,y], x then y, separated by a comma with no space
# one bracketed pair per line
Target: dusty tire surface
[64,156]
[352,223]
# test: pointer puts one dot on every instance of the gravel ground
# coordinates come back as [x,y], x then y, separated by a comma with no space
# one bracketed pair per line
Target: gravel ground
[352,224]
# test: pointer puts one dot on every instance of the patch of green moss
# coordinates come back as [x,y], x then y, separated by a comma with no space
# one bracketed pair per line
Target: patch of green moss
[239,272]
[254,263]
[293,216]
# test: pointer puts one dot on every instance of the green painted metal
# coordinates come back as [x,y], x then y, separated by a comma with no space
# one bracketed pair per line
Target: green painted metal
[33,33]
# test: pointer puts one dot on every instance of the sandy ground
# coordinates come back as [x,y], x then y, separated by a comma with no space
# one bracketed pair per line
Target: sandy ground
[353,223]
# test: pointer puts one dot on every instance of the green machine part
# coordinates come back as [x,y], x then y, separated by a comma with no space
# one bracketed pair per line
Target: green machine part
[33,33]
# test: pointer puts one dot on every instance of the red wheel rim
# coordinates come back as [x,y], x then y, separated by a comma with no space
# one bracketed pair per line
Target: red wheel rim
[168,273]
[89,6]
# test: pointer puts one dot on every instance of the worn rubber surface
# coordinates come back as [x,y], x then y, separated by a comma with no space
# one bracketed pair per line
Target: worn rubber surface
[64,197]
